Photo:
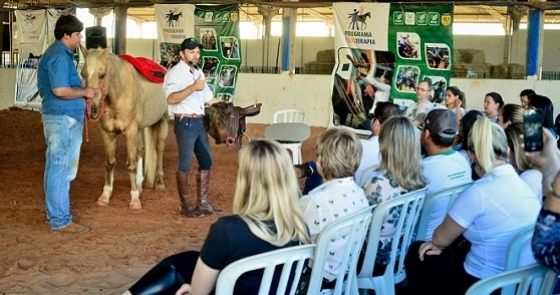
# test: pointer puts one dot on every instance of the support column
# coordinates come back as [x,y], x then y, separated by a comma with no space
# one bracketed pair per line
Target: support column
[268,12]
[2,32]
[99,13]
[535,41]
[119,46]
[514,16]
[289,18]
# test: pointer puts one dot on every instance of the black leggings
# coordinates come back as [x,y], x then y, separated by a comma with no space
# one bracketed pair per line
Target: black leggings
[438,274]
[167,276]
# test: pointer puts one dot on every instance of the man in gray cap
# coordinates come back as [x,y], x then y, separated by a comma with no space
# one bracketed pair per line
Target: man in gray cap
[187,94]
[443,167]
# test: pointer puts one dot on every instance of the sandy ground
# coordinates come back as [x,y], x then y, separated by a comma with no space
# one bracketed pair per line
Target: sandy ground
[122,244]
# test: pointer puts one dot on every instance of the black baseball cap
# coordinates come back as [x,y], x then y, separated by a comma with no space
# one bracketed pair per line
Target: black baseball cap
[190,43]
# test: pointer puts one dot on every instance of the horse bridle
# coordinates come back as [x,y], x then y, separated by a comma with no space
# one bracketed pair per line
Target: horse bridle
[103,90]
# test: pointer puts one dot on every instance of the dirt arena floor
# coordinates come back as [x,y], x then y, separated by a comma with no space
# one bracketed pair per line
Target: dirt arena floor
[122,244]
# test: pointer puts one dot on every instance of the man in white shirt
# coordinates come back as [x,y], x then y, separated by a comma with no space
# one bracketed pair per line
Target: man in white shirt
[370,147]
[187,94]
[443,167]
[423,105]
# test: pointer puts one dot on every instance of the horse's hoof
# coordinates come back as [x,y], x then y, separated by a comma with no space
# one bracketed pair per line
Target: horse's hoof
[135,206]
[102,202]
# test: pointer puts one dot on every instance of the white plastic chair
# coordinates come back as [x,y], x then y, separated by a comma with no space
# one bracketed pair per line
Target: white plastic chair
[521,280]
[366,175]
[353,229]
[394,273]
[519,244]
[268,262]
[449,193]
[291,116]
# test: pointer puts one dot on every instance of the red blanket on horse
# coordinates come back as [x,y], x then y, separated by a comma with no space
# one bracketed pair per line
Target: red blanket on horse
[149,68]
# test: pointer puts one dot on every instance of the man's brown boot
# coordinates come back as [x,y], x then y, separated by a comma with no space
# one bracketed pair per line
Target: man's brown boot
[187,207]
[203,205]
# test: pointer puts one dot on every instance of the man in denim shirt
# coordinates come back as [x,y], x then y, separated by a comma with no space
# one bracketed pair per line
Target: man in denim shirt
[63,110]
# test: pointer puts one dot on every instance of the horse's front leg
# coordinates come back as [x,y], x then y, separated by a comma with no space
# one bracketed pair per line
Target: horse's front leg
[109,141]
[132,142]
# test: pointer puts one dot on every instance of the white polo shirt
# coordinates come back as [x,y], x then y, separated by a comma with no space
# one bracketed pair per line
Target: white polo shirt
[442,171]
[370,156]
[177,79]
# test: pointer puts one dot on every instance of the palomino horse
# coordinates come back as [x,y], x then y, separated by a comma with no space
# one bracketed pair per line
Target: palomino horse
[127,104]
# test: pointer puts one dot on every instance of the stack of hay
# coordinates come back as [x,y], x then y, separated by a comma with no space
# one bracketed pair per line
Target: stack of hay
[470,62]
[323,64]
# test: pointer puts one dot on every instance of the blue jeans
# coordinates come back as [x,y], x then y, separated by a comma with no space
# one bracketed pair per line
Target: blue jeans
[192,138]
[63,135]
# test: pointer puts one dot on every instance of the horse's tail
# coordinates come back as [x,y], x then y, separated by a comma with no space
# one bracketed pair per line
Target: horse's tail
[150,154]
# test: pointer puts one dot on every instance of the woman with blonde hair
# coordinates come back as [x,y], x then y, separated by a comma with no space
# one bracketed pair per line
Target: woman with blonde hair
[266,217]
[527,170]
[399,172]
[471,243]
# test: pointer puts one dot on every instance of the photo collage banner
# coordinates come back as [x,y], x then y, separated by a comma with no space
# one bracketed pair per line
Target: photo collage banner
[384,50]
[216,27]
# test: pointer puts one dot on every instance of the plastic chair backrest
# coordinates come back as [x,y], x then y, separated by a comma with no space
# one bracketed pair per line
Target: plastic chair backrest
[289,116]
[268,261]
[366,175]
[522,280]
[519,244]
[404,230]
[450,193]
[352,229]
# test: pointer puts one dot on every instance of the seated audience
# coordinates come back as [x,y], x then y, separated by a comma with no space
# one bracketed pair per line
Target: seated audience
[266,218]
[493,102]
[488,215]
[370,149]
[510,114]
[523,97]
[399,172]
[454,101]
[338,156]
[443,167]
[527,170]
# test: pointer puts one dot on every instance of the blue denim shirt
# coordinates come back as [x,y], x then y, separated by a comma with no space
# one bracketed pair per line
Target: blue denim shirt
[56,69]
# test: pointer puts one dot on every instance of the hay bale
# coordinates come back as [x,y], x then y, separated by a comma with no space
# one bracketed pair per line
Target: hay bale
[460,70]
[477,71]
[499,71]
[516,71]
[317,67]
[325,56]
[469,56]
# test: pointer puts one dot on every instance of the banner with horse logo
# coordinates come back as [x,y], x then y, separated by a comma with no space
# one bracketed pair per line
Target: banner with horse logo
[175,23]
[31,32]
[383,51]
[217,28]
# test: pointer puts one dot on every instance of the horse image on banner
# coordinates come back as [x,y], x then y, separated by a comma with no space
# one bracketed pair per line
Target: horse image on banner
[131,105]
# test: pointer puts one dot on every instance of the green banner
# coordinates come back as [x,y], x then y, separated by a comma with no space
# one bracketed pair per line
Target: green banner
[217,28]
[421,38]
[382,51]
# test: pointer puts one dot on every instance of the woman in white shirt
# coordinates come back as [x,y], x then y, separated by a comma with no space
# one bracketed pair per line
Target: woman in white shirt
[488,215]
[382,88]
[454,100]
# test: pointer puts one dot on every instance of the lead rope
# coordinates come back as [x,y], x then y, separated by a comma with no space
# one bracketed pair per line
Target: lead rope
[103,90]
